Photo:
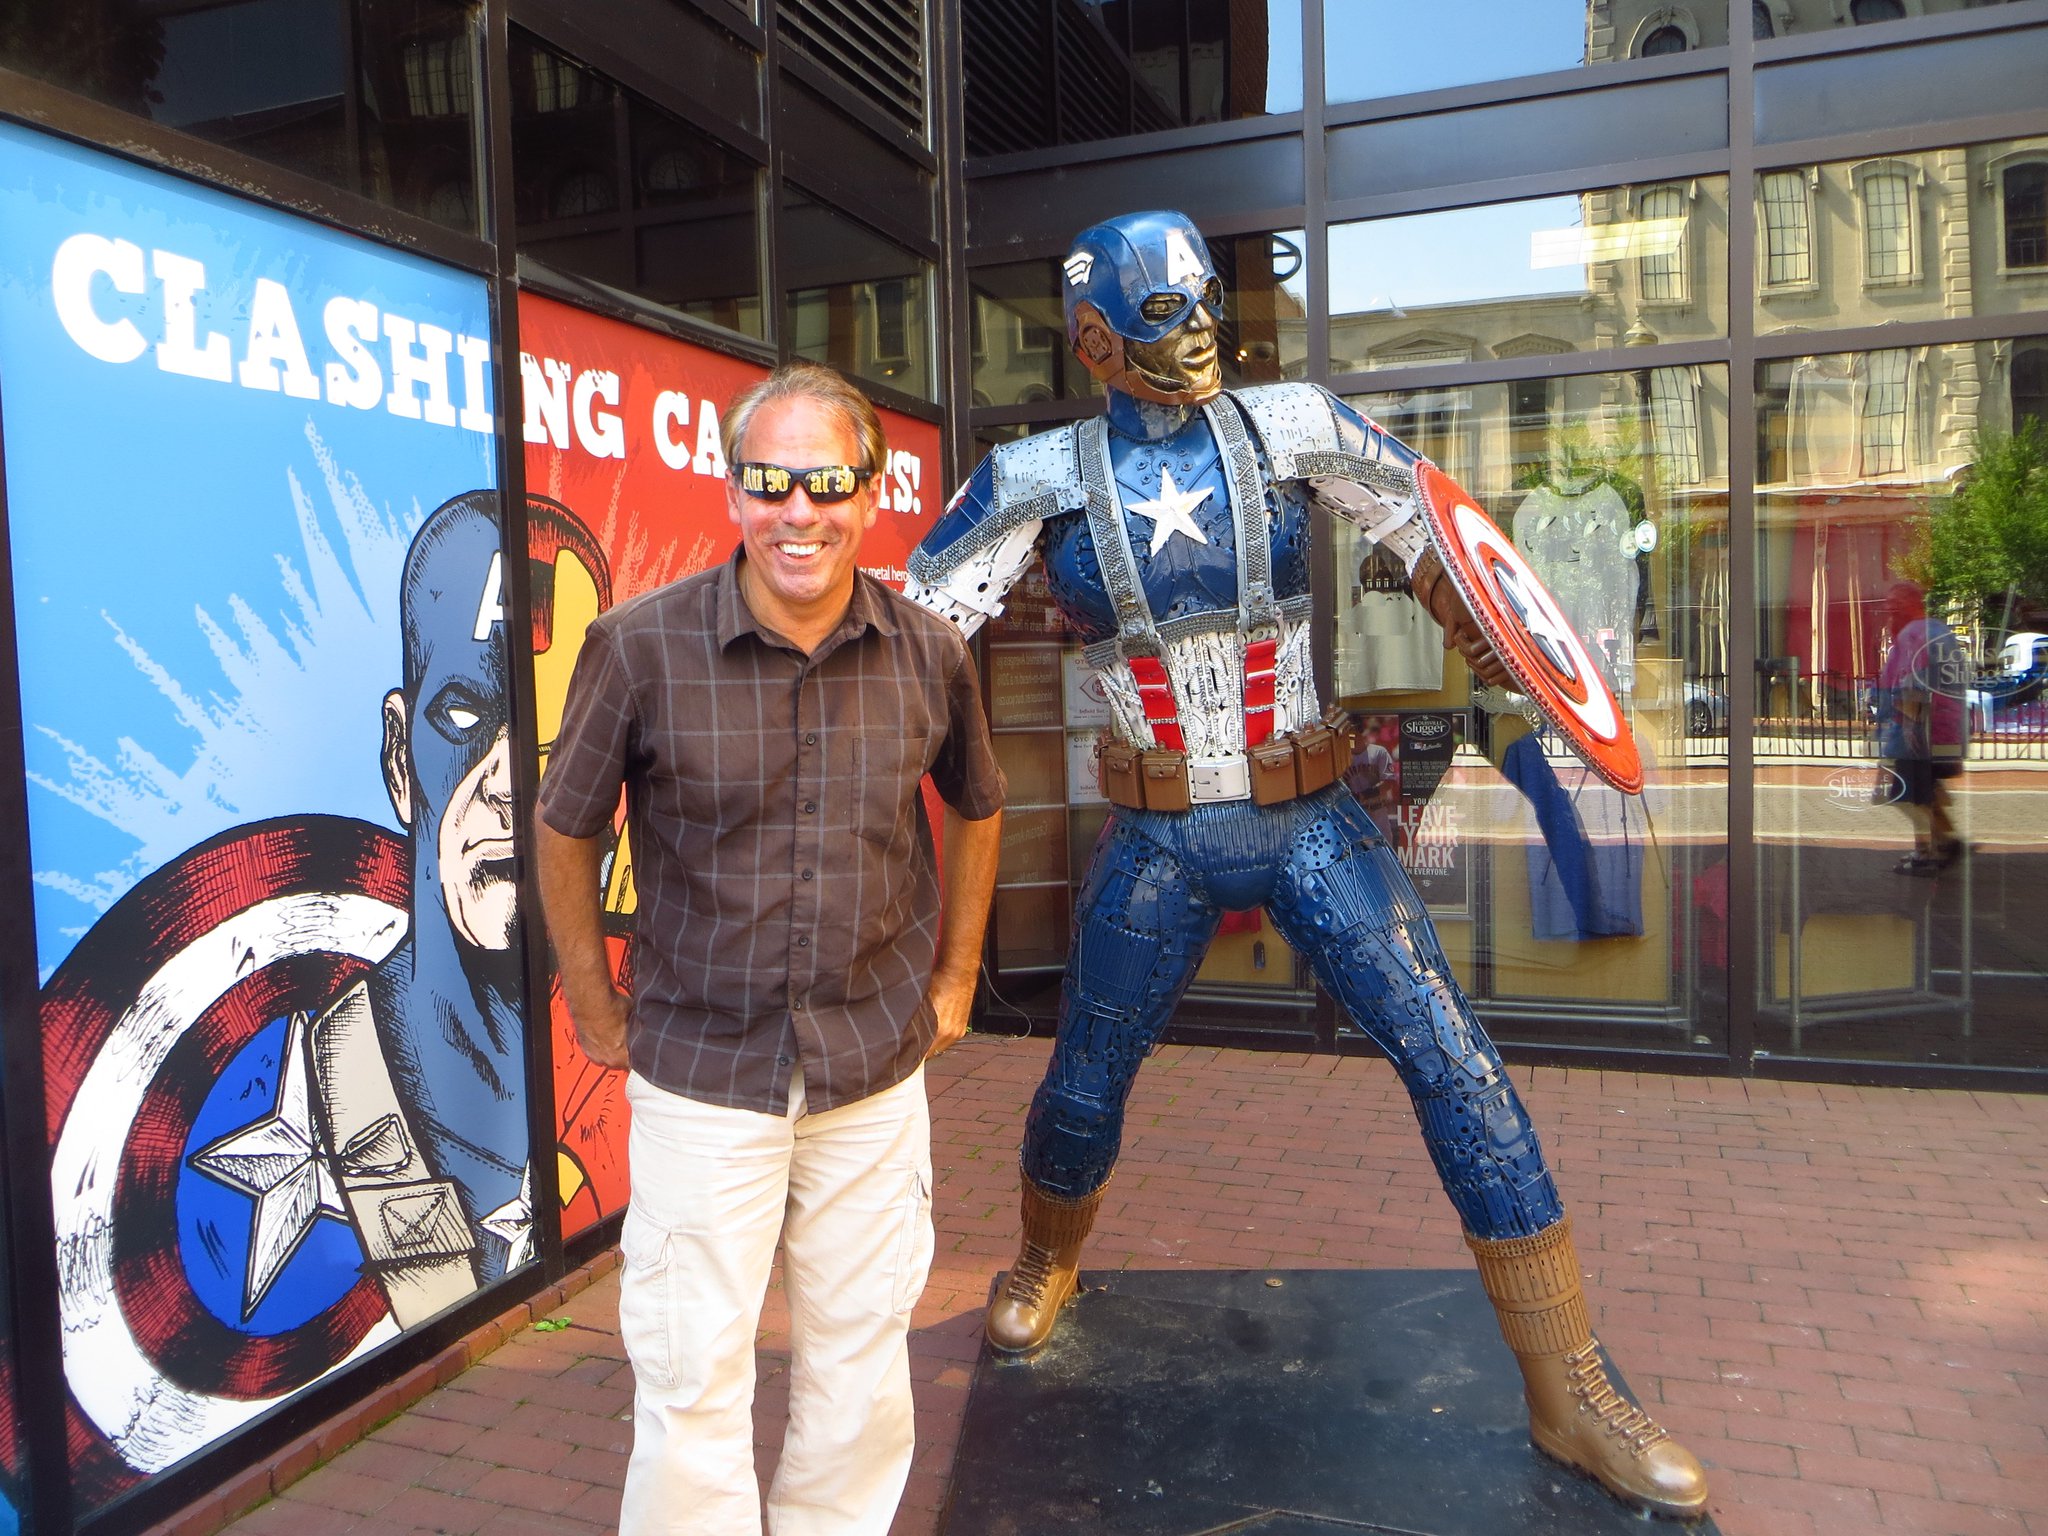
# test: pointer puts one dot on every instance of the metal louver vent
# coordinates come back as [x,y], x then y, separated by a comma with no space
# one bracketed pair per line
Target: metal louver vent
[876,47]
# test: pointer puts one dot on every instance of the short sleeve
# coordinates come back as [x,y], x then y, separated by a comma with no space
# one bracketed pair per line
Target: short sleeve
[965,772]
[586,767]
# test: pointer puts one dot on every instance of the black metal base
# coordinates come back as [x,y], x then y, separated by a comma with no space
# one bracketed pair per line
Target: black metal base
[1272,1403]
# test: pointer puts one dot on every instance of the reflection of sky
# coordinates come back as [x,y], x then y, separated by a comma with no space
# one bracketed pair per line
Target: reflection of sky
[1283,58]
[1375,48]
[1430,259]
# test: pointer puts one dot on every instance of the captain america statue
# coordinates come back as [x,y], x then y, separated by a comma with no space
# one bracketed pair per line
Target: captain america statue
[1175,534]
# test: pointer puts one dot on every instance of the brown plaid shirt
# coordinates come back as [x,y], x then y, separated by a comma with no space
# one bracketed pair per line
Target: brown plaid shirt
[788,894]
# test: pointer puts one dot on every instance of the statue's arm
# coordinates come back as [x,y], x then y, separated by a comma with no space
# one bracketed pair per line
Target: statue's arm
[964,568]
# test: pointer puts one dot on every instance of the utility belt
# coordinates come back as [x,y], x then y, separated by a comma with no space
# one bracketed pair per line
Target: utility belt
[1271,773]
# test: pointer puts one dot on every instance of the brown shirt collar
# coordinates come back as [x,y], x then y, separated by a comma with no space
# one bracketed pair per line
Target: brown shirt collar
[869,608]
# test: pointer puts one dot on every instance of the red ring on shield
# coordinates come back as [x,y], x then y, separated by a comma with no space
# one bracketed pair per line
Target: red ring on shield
[1529,630]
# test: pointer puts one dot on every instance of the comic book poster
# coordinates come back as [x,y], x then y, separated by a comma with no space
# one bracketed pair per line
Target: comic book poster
[250,494]
[1399,765]
[626,490]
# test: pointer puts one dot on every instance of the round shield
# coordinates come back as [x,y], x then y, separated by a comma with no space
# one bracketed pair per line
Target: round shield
[1529,631]
[204,1276]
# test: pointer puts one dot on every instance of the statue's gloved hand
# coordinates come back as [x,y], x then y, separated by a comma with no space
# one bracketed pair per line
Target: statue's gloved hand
[1441,599]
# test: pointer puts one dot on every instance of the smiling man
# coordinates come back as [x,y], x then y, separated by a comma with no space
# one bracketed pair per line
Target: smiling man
[770,720]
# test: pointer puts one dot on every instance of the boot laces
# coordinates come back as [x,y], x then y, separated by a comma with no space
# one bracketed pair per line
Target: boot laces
[1619,1417]
[1028,1276]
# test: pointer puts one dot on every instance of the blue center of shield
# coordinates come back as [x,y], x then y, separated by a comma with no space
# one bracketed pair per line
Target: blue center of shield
[241,1155]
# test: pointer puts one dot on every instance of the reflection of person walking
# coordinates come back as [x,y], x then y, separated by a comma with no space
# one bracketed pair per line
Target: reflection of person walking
[1923,726]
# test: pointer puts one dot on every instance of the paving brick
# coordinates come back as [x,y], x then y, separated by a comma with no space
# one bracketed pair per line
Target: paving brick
[1831,1294]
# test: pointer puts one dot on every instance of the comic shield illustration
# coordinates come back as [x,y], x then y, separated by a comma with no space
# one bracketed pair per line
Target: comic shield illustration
[1529,631]
[206,1265]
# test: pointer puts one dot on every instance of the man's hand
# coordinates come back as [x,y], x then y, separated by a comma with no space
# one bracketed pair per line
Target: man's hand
[952,1003]
[968,884]
[601,1027]
[1441,598]
[570,879]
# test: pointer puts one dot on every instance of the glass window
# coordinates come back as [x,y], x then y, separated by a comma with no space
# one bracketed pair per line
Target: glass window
[1018,308]
[610,187]
[1787,226]
[1575,273]
[1042,75]
[1375,48]
[372,96]
[856,300]
[1932,234]
[1887,226]
[1662,271]
[2026,214]
[1901,814]
[1570,912]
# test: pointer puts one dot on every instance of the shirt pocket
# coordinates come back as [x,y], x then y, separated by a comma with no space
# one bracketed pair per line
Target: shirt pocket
[888,768]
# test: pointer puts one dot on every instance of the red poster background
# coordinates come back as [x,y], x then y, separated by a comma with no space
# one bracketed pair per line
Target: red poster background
[626,492]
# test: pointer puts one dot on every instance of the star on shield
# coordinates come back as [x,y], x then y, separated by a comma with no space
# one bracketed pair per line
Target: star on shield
[1172,511]
[277,1160]
[512,1222]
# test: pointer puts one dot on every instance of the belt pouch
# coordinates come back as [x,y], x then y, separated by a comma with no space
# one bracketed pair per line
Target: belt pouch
[1348,729]
[1165,775]
[1117,772]
[1315,758]
[1272,770]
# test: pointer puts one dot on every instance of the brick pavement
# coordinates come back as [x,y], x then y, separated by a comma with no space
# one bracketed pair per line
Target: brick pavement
[1838,1297]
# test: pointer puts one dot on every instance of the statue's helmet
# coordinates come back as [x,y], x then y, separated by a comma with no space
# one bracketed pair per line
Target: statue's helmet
[1143,302]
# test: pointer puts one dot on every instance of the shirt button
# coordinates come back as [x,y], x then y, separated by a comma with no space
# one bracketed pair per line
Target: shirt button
[782,1061]
[807,874]
[803,941]
[810,738]
[810,807]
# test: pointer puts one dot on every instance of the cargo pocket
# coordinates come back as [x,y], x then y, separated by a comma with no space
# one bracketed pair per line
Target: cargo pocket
[914,1245]
[647,1302]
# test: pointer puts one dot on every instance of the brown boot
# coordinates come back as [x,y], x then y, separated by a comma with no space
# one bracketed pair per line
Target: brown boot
[1576,1415]
[1020,1319]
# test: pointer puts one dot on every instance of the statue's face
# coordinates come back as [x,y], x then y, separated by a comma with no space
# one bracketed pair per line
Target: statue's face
[1183,365]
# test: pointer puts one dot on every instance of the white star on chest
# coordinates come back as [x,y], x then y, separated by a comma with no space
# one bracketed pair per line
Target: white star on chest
[1172,511]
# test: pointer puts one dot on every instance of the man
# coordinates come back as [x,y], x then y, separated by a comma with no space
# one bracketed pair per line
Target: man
[1923,724]
[1175,536]
[771,720]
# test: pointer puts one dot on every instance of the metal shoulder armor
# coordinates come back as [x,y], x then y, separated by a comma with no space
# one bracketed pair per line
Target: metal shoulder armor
[976,551]
[1353,466]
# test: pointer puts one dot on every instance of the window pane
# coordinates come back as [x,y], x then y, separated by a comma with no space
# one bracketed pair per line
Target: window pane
[1900,708]
[855,300]
[282,80]
[1374,48]
[1571,912]
[1930,234]
[1555,274]
[1021,355]
[1039,75]
[612,188]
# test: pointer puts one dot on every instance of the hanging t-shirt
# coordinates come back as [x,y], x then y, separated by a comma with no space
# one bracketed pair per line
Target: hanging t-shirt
[1574,542]
[1391,644]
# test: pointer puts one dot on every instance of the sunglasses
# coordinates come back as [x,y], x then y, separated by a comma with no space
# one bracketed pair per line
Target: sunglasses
[825,484]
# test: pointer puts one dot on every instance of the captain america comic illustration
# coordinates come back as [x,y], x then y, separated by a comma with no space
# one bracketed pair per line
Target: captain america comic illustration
[1175,536]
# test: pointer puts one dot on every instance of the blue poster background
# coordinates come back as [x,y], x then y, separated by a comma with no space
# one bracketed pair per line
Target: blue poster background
[206,575]
[283,1031]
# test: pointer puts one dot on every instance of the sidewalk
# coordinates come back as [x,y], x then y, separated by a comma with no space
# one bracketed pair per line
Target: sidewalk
[1837,1297]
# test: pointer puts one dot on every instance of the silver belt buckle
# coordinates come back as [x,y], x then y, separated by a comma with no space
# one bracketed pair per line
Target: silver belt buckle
[1219,778]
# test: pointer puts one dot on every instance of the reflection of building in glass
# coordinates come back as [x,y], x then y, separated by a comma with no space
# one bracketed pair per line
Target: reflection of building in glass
[1043,72]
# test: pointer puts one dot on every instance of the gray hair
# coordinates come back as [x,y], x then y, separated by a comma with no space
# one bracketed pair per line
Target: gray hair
[800,379]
